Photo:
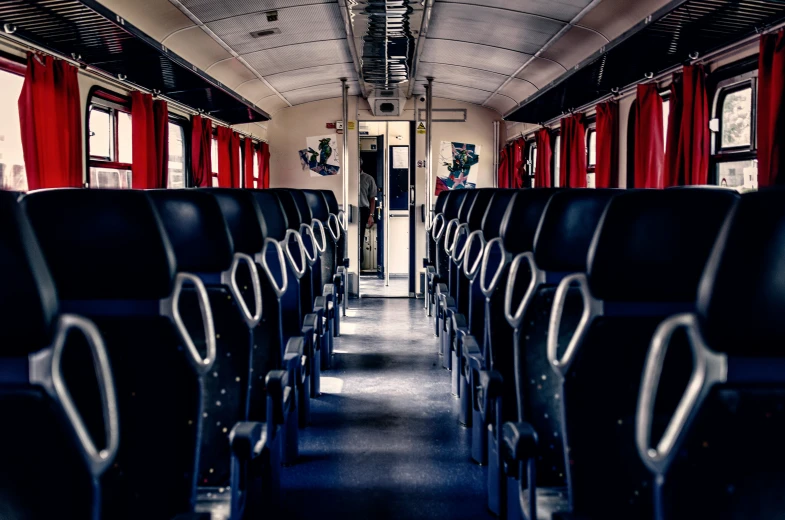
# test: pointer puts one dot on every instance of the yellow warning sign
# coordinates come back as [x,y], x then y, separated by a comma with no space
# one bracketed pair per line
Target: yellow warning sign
[350,125]
[420,127]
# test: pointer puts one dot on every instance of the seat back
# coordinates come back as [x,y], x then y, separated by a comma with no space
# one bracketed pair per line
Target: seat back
[51,457]
[436,232]
[644,264]
[293,216]
[561,247]
[477,206]
[723,455]
[203,246]
[112,261]
[338,225]
[321,217]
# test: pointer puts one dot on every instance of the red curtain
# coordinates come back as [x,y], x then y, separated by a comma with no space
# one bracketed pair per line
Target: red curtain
[248,157]
[606,171]
[201,151]
[771,109]
[143,140]
[572,171]
[670,173]
[234,156]
[50,119]
[542,171]
[518,163]
[649,156]
[160,176]
[264,166]
[228,165]
[503,175]
[687,153]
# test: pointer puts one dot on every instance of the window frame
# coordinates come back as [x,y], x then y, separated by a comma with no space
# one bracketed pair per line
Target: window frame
[14,65]
[531,160]
[720,154]
[184,123]
[555,158]
[113,103]
[591,128]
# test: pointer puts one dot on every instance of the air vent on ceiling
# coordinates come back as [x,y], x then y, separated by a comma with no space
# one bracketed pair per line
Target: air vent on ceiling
[265,32]
[272,16]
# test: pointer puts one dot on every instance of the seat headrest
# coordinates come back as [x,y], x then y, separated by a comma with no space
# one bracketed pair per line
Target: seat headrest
[196,228]
[293,218]
[28,300]
[243,217]
[102,244]
[520,222]
[302,206]
[494,215]
[453,205]
[332,202]
[567,228]
[741,298]
[441,200]
[273,218]
[317,204]
[652,245]
[480,205]
[468,202]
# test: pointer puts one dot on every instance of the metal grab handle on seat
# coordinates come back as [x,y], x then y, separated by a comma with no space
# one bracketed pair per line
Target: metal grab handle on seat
[336,235]
[487,290]
[305,229]
[436,235]
[262,260]
[45,369]
[709,368]
[342,220]
[171,308]
[457,254]
[298,271]
[537,278]
[592,308]
[470,268]
[229,278]
[449,243]
[323,246]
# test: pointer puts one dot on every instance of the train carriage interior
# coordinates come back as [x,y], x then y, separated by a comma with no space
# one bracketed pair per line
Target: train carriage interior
[392,259]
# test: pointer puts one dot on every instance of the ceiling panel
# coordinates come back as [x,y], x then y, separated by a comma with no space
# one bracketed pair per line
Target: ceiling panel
[317,92]
[297,25]
[560,9]
[501,61]
[457,92]
[502,104]
[232,72]
[613,17]
[518,89]
[574,46]
[300,78]
[254,89]
[196,46]
[211,10]
[541,72]
[301,56]
[271,104]
[458,75]
[501,28]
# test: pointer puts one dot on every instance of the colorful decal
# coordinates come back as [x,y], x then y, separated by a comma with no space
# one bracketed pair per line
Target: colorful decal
[457,166]
[320,156]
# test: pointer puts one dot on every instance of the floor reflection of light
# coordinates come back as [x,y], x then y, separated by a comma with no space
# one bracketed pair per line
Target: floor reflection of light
[331,385]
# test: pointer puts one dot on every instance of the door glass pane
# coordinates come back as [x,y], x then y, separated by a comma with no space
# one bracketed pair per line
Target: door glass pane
[741,175]
[12,161]
[100,134]
[124,139]
[176,157]
[737,118]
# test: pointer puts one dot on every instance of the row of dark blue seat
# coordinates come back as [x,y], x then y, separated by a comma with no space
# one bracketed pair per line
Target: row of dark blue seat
[616,352]
[159,349]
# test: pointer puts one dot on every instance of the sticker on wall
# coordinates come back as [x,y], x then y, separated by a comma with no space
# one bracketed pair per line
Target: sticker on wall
[421,128]
[321,155]
[457,166]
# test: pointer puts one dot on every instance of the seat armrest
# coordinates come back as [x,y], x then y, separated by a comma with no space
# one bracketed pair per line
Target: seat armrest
[473,358]
[491,384]
[277,382]
[346,263]
[519,441]
[292,359]
[311,324]
[248,439]
[460,329]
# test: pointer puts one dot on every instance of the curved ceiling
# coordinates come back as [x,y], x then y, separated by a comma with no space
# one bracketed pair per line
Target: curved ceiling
[280,53]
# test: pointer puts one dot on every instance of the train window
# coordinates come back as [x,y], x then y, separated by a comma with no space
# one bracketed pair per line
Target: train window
[176,173]
[214,160]
[532,161]
[12,161]
[556,159]
[734,149]
[110,141]
[591,155]
[666,110]
[255,170]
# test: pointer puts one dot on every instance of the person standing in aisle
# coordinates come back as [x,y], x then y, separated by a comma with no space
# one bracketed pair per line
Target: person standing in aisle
[367,206]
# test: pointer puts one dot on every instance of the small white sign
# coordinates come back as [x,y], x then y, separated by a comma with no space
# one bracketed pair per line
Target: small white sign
[400,157]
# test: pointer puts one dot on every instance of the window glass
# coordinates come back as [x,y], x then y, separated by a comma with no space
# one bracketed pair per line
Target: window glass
[214,155]
[215,181]
[556,160]
[255,170]
[124,140]
[109,178]
[12,162]
[592,147]
[666,110]
[737,118]
[741,175]
[100,134]
[176,157]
